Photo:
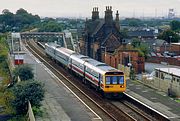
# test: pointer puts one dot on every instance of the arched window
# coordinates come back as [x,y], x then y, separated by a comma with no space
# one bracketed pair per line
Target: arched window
[115,64]
[110,60]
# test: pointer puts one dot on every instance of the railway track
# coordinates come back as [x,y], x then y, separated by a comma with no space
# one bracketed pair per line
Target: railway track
[107,109]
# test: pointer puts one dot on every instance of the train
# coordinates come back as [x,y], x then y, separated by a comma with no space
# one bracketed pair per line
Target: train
[104,78]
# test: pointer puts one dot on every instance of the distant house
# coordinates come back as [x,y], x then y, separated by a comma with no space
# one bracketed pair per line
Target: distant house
[100,34]
[143,33]
[155,44]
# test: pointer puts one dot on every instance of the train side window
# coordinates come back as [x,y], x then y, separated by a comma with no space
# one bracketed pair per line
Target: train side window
[101,78]
[108,79]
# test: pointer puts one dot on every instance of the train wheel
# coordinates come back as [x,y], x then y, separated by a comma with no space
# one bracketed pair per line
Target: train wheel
[103,94]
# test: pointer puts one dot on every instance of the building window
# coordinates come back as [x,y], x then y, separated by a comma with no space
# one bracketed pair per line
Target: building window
[115,63]
[174,79]
[162,76]
[157,74]
[178,79]
[110,60]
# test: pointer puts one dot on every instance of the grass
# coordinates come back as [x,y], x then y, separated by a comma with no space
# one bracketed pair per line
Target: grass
[18,118]
[177,100]
[5,95]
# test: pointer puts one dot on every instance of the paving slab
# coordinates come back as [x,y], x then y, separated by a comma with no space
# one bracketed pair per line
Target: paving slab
[156,99]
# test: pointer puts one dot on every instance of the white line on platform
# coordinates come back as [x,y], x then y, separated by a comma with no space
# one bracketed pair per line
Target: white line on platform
[148,106]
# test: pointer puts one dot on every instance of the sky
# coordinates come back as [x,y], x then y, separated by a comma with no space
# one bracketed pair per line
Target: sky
[83,8]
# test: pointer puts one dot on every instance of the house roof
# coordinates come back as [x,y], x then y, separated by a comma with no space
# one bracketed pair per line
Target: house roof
[94,26]
[176,43]
[141,33]
[173,71]
[157,42]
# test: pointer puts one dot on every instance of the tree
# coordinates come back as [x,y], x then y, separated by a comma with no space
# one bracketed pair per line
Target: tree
[175,25]
[169,36]
[136,42]
[21,11]
[24,72]
[50,26]
[25,91]
[144,49]
[16,22]
[132,22]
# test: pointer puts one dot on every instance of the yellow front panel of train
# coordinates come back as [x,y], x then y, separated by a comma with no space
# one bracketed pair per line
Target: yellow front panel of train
[114,83]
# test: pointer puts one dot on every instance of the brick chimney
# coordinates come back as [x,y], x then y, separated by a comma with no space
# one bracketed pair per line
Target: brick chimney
[95,13]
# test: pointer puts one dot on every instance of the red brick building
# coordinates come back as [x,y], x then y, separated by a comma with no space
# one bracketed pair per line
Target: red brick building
[174,47]
[124,56]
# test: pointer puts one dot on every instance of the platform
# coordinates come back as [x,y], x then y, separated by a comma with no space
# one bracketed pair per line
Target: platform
[155,99]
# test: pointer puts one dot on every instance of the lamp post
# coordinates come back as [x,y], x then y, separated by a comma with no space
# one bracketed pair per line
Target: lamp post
[165,46]
[170,42]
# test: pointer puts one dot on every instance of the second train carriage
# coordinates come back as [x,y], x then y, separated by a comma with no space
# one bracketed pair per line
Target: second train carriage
[76,63]
[106,78]
[62,55]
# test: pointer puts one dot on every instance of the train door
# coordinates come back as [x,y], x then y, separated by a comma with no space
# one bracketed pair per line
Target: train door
[70,63]
[84,73]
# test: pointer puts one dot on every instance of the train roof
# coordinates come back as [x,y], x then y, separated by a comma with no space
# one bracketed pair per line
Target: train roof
[65,50]
[60,49]
[99,65]
[80,58]
[52,45]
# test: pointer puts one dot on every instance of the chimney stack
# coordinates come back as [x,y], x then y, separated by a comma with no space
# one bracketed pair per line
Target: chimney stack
[108,15]
[95,13]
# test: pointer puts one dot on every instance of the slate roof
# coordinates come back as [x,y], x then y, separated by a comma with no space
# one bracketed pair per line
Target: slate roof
[158,42]
[142,33]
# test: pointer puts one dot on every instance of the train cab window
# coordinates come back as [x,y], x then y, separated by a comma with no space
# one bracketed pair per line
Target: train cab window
[114,80]
[108,80]
[121,80]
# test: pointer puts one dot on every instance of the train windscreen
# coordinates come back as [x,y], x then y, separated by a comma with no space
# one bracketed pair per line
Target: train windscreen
[114,80]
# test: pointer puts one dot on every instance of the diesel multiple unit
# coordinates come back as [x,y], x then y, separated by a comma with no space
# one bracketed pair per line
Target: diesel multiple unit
[110,81]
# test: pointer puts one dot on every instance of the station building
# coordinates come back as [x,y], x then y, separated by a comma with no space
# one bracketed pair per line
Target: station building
[167,80]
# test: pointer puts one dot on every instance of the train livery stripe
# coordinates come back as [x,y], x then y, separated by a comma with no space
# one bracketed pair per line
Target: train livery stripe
[89,77]
[77,69]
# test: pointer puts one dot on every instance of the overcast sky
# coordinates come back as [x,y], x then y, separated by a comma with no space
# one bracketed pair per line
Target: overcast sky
[83,8]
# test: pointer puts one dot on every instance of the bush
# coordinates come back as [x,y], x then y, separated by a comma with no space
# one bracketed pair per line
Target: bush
[27,91]
[37,111]
[24,72]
